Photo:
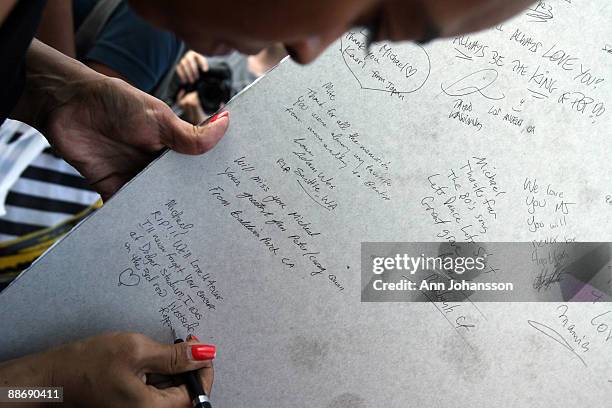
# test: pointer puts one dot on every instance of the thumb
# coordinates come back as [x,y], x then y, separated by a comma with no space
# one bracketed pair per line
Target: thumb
[186,138]
[171,359]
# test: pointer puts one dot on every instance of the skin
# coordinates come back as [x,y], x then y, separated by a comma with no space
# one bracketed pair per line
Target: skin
[109,131]
[188,71]
[191,106]
[102,126]
[309,27]
[56,28]
[5,9]
[189,67]
[111,370]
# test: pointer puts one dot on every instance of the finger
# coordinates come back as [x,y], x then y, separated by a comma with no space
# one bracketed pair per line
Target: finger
[139,394]
[207,376]
[202,62]
[171,397]
[192,110]
[180,95]
[188,72]
[161,381]
[177,358]
[191,96]
[193,66]
[187,64]
[180,71]
[186,138]
[188,99]
[200,115]
[189,115]
[206,373]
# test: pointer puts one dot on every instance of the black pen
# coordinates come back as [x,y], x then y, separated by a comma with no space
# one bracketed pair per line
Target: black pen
[199,399]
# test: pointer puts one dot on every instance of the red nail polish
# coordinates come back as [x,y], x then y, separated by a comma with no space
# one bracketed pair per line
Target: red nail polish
[219,116]
[192,337]
[202,352]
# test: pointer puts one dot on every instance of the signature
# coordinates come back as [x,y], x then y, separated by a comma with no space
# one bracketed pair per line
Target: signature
[477,82]
[554,335]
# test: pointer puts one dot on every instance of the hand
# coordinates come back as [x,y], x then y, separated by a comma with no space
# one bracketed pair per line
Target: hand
[190,104]
[111,370]
[110,131]
[105,128]
[189,67]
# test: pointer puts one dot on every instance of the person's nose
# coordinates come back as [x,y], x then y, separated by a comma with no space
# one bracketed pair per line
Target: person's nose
[308,49]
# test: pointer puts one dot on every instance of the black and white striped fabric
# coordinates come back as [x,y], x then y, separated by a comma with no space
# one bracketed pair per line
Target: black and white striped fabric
[48,192]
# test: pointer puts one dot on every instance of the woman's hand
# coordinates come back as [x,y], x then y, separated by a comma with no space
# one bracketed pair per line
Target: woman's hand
[113,370]
[189,67]
[105,128]
[110,131]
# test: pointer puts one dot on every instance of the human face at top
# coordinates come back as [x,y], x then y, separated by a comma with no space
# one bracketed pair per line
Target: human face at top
[307,27]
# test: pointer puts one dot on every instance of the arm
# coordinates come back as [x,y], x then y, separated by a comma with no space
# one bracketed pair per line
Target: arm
[56,27]
[24,372]
[51,80]
[5,9]
[105,128]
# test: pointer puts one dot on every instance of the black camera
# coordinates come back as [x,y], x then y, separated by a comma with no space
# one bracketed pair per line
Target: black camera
[214,87]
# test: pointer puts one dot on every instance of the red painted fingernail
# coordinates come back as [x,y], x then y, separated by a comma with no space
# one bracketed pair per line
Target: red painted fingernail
[202,352]
[192,337]
[219,116]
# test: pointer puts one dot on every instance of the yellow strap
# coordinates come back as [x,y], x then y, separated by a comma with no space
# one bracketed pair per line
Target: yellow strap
[19,253]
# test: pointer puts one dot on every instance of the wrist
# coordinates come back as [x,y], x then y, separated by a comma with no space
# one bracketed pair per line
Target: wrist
[30,371]
[52,80]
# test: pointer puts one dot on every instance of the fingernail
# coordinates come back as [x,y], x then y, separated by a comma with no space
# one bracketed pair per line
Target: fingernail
[219,116]
[192,337]
[201,352]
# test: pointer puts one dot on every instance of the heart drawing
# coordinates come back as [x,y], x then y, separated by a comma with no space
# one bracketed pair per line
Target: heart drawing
[383,66]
